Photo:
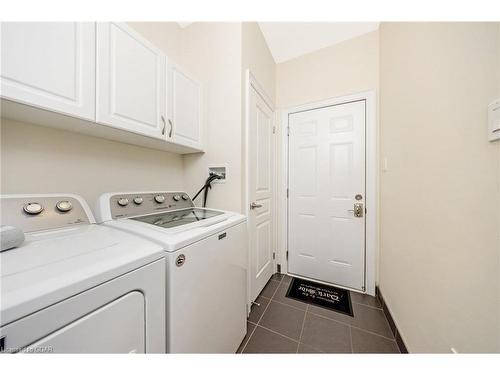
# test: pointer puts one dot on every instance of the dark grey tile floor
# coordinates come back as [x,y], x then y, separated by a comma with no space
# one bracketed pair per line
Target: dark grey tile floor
[283,325]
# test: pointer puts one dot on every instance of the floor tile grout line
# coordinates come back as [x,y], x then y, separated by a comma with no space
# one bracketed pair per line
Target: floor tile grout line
[278,333]
[286,304]
[270,300]
[363,304]
[350,325]
[249,337]
[350,337]
[302,329]
[313,347]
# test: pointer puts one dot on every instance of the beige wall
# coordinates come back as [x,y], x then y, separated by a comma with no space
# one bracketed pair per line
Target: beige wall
[341,69]
[257,57]
[439,261]
[212,52]
[60,161]
[36,159]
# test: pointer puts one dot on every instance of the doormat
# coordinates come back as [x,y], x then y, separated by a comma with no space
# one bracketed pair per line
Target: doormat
[328,297]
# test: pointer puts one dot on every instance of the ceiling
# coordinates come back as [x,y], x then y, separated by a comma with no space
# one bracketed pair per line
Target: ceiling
[287,40]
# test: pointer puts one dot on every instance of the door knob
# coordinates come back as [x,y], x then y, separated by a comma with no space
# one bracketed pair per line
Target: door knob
[358,210]
[254,205]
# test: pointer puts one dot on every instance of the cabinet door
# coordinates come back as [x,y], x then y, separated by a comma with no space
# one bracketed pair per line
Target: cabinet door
[185,109]
[50,65]
[130,81]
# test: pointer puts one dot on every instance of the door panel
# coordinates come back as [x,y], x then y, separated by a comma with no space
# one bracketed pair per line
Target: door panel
[261,190]
[326,172]
[117,327]
[130,81]
[50,65]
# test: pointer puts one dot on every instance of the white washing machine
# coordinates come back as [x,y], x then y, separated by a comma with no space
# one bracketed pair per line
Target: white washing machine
[77,287]
[206,265]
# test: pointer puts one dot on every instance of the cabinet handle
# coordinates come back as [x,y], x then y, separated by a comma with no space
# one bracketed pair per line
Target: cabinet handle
[171,128]
[164,125]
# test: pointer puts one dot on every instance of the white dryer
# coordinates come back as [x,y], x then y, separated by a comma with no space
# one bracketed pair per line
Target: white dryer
[206,253]
[75,286]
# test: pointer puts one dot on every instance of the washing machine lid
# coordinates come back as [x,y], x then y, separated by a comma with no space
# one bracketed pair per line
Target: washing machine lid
[56,264]
[177,218]
[177,237]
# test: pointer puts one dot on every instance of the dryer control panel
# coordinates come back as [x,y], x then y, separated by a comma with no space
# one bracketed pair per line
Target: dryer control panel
[32,213]
[124,205]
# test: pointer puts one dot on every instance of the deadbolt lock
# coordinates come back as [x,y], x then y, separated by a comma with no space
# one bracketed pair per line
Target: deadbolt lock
[358,210]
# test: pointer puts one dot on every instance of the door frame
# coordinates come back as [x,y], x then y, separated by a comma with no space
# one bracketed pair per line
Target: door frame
[371,181]
[252,83]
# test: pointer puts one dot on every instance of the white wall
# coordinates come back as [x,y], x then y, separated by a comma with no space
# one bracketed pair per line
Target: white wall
[61,161]
[440,197]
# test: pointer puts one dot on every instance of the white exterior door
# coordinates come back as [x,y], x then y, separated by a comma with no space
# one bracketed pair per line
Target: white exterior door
[50,65]
[261,192]
[326,235]
[131,74]
[185,111]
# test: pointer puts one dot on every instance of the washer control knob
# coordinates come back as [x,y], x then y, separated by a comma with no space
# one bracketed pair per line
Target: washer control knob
[33,208]
[64,206]
[123,202]
[177,198]
[138,200]
[185,197]
[160,198]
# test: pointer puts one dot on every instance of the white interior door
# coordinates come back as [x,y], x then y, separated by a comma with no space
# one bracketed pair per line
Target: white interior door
[326,236]
[261,192]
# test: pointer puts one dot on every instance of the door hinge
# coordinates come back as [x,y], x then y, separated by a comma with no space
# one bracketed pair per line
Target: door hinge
[274,255]
[287,255]
[287,193]
[288,131]
[274,129]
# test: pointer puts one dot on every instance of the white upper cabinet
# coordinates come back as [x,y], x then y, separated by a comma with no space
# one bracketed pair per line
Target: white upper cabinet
[131,92]
[185,109]
[50,66]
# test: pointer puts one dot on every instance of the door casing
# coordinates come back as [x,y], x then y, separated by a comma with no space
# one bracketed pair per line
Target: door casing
[372,178]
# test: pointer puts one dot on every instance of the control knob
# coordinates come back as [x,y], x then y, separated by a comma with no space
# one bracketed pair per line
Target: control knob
[185,197]
[160,198]
[64,206]
[138,200]
[33,208]
[123,202]
[176,198]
